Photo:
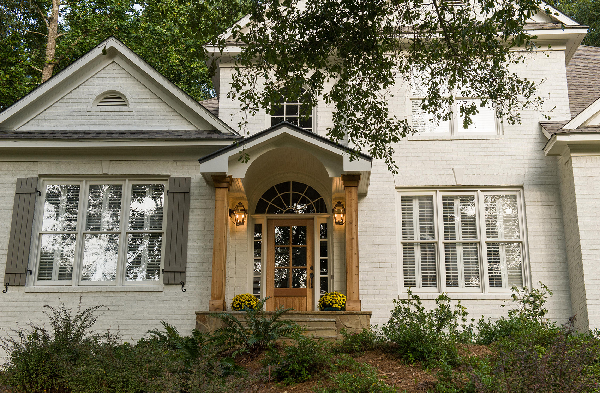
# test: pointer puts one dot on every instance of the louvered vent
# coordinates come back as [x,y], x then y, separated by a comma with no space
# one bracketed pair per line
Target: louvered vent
[112,100]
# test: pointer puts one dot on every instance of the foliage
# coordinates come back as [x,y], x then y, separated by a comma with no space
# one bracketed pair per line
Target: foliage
[190,347]
[586,12]
[179,29]
[256,332]
[40,358]
[359,378]
[243,301]
[356,342]
[427,336]
[351,53]
[332,300]
[299,362]
[526,319]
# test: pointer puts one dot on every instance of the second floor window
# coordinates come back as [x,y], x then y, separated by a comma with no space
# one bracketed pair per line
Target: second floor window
[294,112]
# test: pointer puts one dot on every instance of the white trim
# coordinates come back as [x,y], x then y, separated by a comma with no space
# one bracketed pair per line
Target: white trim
[556,14]
[583,116]
[123,232]
[558,142]
[482,241]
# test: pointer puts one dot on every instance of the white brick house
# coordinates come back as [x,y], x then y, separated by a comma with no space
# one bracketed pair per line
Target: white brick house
[118,187]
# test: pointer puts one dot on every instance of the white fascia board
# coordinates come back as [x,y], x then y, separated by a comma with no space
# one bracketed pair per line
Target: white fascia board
[584,116]
[557,144]
[556,14]
[70,76]
[80,144]
[220,163]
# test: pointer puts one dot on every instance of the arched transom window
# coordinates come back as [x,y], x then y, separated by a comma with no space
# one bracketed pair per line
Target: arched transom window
[291,197]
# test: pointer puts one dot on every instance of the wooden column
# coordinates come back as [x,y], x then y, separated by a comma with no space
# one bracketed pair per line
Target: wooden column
[217,289]
[351,188]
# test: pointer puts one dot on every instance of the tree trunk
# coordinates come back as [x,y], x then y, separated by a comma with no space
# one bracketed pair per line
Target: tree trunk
[51,43]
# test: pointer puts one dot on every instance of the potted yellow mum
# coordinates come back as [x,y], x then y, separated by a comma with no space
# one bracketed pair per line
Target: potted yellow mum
[332,301]
[244,301]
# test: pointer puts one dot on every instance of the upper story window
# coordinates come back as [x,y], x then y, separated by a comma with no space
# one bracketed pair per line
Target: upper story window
[293,111]
[462,240]
[100,232]
[485,122]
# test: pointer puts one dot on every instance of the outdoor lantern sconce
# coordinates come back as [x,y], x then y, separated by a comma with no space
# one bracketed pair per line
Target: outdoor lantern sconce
[339,213]
[238,214]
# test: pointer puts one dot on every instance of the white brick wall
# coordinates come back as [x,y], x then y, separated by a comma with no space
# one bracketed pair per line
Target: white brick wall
[580,187]
[512,159]
[130,313]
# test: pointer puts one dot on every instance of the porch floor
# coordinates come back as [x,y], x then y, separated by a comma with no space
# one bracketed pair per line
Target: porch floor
[325,324]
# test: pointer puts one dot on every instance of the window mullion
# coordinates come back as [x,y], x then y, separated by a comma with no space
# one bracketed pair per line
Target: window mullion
[122,258]
[480,202]
[439,233]
[79,241]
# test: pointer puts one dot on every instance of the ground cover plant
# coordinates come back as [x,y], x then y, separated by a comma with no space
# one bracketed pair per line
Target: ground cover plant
[418,350]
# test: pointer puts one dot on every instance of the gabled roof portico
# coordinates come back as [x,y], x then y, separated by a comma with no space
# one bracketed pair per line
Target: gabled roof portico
[286,152]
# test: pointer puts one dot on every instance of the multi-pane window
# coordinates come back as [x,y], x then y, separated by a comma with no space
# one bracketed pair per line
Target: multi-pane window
[293,111]
[471,240]
[257,255]
[95,232]
[324,258]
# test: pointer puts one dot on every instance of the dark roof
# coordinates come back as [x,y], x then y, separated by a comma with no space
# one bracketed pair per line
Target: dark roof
[583,78]
[212,104]
[158,134]
[242,142]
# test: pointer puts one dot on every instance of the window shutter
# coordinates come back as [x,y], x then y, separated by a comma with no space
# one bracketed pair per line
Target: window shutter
[20,232]
[176,237]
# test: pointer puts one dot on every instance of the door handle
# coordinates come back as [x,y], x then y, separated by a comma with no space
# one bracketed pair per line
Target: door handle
[312,281]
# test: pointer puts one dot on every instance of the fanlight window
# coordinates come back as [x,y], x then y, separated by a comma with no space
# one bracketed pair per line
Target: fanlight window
[291,197]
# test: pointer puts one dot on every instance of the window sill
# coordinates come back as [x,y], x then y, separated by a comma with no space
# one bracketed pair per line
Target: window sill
[445,137]
[460,295]
[80,289]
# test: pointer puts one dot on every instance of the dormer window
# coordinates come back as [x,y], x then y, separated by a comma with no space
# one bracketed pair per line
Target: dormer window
[111,100]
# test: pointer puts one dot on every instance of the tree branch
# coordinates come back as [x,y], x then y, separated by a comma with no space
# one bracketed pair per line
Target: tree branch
[444,29]
[36,32]
[44,16]
[35,68]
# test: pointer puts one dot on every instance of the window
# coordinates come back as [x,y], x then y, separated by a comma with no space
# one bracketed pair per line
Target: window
[100,232]
[462,240]
[291,197]
[484,122]
[293,111]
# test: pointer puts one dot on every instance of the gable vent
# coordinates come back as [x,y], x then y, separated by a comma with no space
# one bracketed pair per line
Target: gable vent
[112,100]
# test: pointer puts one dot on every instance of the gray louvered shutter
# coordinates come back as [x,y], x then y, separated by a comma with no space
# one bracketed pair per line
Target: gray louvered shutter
[176,237]
[20,232]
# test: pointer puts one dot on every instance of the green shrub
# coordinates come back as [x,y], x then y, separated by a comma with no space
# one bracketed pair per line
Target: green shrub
[256,333]
[427,336]
[362,378]
[568,364]
[356,342]
[300,362]
[41,359]
[525,320]
[189,347]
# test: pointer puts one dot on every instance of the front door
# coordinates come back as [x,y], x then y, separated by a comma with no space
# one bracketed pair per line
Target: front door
[290,275]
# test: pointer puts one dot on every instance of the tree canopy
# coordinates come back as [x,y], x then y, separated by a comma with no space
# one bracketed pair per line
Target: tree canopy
[352,52]
[586,12]
[168,34]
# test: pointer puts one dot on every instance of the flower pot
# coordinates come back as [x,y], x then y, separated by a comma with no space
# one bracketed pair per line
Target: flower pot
[332,309]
